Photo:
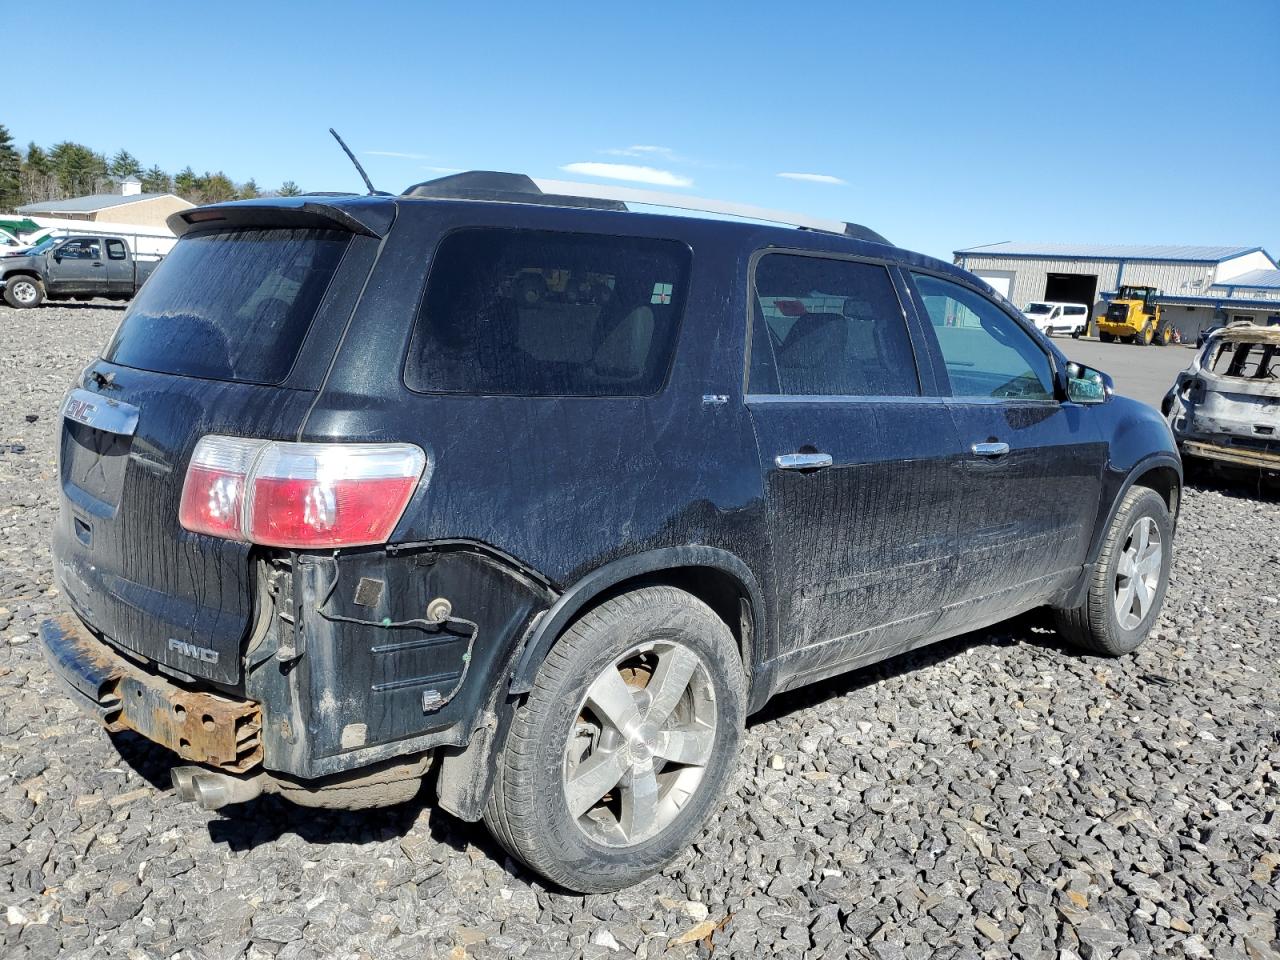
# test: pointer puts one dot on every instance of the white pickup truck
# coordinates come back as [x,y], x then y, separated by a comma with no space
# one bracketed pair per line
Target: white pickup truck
[1052,317]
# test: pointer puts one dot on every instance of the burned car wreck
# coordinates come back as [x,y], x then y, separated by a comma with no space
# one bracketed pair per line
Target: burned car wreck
[553,494]
[1225,407]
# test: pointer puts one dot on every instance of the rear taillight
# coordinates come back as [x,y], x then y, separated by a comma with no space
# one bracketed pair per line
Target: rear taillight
[303,495]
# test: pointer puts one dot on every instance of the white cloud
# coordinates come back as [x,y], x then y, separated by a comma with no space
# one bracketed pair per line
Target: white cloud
[812,177]
[397,154]
[631,172]
[443,170]
[643,150]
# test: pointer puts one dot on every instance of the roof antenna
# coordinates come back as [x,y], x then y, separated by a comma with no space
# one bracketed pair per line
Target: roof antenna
[364,176]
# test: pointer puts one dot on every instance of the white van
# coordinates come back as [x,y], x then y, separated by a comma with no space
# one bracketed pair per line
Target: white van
[1051,317]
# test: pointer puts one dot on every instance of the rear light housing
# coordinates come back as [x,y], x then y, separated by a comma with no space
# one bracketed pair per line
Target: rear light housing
[299,495]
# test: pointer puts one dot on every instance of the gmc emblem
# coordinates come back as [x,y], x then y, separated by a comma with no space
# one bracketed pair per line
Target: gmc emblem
[80,410]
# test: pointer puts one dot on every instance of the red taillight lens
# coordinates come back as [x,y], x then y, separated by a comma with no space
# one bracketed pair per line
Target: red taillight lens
[305,495]
[213,495]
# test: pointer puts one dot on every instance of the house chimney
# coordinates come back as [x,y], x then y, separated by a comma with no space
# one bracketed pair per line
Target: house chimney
[130,187]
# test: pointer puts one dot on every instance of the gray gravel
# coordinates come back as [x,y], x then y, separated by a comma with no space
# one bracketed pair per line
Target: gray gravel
[992,796]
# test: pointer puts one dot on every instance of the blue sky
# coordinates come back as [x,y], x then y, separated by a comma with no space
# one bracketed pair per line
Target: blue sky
[942,125]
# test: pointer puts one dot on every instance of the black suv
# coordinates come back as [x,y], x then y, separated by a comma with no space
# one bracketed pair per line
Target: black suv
[555,494]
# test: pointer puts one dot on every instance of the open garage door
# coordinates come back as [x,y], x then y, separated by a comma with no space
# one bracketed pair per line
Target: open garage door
[1071,288]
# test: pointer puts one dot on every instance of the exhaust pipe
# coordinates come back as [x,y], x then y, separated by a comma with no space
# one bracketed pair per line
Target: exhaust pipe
[213,790]
[181,777]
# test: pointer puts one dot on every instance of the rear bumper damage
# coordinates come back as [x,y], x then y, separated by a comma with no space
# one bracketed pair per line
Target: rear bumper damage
[203,727]
[358,668]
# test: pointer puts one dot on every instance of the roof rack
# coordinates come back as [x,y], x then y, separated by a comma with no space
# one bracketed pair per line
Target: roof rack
[518,188]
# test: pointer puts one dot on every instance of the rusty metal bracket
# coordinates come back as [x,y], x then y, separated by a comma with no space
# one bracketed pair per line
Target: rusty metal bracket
[197,725]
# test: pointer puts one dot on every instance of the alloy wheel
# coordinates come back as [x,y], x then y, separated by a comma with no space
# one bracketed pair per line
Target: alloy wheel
[24,291]
[1138,573]
[638,752]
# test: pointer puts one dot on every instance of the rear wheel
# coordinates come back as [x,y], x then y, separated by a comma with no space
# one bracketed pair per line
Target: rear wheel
[1165,336]
[625,744]
[23,292]
[1129,579]
[1107,337]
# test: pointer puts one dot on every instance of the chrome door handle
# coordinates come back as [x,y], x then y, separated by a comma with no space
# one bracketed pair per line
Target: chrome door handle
[802,461]
[990,449]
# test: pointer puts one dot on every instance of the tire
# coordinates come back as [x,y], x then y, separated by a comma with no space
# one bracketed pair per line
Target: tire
[22,292]
[1164,336]
[560,730]
[1146,336]
[1077,333]
[1107,337]
[1095,625]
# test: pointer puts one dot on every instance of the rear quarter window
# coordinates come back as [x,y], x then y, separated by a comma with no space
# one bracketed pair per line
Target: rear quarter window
[232,305]
[544,313]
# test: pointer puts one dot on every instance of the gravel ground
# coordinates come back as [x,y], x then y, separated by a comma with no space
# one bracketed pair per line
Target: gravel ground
[993,796]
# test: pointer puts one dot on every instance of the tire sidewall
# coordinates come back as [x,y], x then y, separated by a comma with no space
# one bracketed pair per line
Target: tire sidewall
[12,299]
[1150,505]
[596,865]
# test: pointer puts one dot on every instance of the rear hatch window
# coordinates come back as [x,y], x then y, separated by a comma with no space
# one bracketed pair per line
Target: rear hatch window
[232,305]
[541,313]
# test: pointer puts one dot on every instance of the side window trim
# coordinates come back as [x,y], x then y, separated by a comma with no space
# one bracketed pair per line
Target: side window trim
[940,367]
[924,375]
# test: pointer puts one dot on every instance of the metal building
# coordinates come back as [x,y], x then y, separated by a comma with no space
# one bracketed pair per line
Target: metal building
[1194,281]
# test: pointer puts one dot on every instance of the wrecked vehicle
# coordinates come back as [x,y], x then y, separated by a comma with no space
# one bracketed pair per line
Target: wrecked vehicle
[1225,407]
[338,502]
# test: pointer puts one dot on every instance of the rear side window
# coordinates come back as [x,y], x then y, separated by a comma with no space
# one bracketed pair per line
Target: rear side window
[233,305]
[826,327]
[115,249]
[542,313]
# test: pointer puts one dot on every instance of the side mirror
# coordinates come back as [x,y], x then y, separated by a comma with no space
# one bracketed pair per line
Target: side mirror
[1086,385]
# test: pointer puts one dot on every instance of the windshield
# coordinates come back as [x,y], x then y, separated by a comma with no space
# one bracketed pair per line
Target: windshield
[1037,308]
[232,305]
[43,245]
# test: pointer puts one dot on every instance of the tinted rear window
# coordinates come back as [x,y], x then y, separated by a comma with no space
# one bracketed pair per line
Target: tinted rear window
[540,313]
[233,305]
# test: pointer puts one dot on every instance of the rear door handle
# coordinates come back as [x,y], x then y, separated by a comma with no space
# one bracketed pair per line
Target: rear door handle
[990,449]
[802,461]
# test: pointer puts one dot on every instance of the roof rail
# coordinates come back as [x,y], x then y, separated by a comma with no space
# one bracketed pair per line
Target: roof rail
[518,188]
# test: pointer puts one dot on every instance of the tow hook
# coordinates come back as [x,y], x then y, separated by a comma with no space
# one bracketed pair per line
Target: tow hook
[213,790]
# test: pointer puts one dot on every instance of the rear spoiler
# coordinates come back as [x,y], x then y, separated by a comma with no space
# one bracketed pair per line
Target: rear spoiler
[362,215]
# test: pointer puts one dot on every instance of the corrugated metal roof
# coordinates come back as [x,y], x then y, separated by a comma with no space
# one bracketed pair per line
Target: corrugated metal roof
[1259,279]
[97,201]
[1109,251]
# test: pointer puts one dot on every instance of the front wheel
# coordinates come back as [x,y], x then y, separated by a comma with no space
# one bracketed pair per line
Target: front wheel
[1129,579]
[624,745]
[23,292]
[1107,337]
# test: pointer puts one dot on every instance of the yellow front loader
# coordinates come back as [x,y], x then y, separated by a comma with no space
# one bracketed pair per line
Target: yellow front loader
[1134,318]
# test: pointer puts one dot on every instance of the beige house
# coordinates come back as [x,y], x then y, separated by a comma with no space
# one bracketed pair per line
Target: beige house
[130,205]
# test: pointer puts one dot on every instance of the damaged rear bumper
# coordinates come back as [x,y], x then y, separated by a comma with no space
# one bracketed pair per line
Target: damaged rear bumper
[203,727]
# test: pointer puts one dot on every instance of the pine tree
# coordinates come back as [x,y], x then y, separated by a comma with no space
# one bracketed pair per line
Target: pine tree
[216,188]
[38,160]
[249,190]
[156,180]
[289,189]
[78,168]
[10,168]
[186,184]
[124,164]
